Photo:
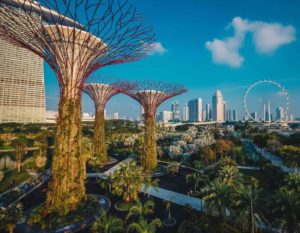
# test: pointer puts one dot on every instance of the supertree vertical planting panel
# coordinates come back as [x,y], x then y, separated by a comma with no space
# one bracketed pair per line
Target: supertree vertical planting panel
[75,38]
[150,94]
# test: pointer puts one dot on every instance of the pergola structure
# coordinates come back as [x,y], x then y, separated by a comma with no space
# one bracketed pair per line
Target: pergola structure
[150,94]
[75,37]
[101,93]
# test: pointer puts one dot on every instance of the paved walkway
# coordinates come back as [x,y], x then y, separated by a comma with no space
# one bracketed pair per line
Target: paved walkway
[174,197]
[275,160]
[108,172]
[249,168]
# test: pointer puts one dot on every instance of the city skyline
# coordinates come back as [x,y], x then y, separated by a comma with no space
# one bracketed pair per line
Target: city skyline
[193,64]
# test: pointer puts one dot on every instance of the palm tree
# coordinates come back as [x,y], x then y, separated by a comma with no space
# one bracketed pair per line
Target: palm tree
[106,183]
[198,164]
[195,178]
[140,209]
[287,209]
[107,224]
[230,175]
[10,216]
[127,181]
[42,143]
[293,181]
[217,200]
[143,226]
[169,220]
[20,146]
[149,183]
[248,207]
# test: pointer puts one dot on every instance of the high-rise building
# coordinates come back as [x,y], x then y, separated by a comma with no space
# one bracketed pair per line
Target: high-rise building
[228,115]
[254,116]
[291,117]
[218,106]
[116,116]
[279,113]
[208,112]
[224,110]
[165,116]
[267,111]
[22,91]
[195,110]
[185,113]
[176,111]
[204,115]
[234,115]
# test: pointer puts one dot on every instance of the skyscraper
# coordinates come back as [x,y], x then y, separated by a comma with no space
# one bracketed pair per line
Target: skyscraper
[165,116]
[208,112]
[279,113]
[22,91]
[228,115]
[185,113]
[116,116]
[204,115]
[218,106]
[176,111]
[195,110]
[267,112]
[234,115]
[254,116]
[225,110]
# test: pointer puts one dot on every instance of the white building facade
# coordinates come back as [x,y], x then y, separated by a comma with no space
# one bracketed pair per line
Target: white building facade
[218,107]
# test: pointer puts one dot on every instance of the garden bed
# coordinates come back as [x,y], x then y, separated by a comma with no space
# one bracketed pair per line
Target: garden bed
[15,177]
[73,222]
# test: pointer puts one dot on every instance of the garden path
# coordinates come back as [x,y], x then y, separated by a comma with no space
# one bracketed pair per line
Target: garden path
[108,172]
[275,160]
[174,197]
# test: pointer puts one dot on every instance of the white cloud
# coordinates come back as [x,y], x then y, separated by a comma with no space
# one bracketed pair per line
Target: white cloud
[157,48]
[267,37]
[226,51]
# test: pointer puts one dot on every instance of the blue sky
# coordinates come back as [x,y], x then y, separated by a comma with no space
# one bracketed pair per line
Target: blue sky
[208,45]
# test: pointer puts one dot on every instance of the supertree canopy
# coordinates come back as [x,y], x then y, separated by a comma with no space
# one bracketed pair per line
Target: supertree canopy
[101,93]
[75,37]
[150,94]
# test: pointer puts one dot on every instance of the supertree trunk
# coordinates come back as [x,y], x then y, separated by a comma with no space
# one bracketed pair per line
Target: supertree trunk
[150,94]
[99,136]
[149,159]
[66,188]
[75,38]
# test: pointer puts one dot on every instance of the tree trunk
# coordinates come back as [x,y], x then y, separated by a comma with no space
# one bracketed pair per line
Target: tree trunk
[100,150]
[11,229]
[66,188]
[252,215]
[149,160]
[18,159]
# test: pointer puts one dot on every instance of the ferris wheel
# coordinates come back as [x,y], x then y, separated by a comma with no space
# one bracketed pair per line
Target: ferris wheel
[263,104]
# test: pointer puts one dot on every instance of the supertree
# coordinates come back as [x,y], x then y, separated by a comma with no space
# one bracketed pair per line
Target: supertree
[75,37]
[150,94]
[101,93]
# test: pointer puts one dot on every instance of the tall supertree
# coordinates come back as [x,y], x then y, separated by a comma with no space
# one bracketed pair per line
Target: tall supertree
[150,94]
[75,37]
[101,93]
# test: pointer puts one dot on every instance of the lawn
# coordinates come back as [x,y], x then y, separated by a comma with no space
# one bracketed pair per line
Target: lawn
[18,178]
